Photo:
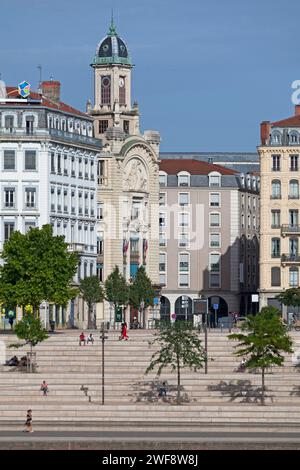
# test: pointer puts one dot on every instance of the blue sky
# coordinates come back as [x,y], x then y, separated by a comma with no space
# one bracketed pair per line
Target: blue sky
[206,72]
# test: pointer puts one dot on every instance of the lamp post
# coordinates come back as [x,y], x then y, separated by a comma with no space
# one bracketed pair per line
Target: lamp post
[103,338]
[142,309]
[205,338]
[201,307]
[111,305]
[122,310]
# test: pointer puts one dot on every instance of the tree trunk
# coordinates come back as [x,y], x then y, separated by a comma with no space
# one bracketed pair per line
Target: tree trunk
[31,358]
[263,386]
[178,379]
[90,321]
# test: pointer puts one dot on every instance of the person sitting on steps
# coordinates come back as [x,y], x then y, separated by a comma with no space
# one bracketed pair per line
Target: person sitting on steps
[82,339]
[90,339]
[162,391]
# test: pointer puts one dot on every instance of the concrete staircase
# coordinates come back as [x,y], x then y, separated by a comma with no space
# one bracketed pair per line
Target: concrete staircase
[73,374]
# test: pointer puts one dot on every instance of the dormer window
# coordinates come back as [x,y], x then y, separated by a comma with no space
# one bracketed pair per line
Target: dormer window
[9,124]
[162,179]
[214,179]
[183,178]
[294,138]
[276,137]
[29,124]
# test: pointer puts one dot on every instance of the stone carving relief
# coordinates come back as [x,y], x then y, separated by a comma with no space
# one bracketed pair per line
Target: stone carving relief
[135,178]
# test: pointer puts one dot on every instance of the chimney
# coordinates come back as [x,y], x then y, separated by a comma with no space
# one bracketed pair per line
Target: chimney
[51,90]
[297,110]
[265,128]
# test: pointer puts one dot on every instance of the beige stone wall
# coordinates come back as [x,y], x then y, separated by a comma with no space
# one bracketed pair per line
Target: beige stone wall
[267,204]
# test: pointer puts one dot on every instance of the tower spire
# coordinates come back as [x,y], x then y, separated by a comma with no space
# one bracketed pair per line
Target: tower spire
[112,29]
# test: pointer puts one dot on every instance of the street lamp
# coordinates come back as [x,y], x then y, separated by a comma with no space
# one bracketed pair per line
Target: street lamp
[201,307]
[142,309]
[103,338]
[111,304]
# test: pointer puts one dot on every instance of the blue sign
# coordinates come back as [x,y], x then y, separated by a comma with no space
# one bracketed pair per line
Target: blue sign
[24,89]
[156,300]
[216,306]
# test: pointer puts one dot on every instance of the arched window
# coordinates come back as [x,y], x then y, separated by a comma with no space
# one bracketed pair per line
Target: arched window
[276,189]
[105,89]
[294,137]
[183,178]
[276,138]
[214,179]
[293,189]
[294,277]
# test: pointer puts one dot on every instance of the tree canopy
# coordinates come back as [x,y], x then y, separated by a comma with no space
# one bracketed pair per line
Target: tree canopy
[92,293]
[179,347]
[31,330]
[264,341]
[116,288]
[141,289]
[37,267]
[290,297]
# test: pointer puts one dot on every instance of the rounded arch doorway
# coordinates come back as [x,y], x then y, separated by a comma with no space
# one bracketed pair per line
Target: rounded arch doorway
[221,311]
[165,308]
[184,308]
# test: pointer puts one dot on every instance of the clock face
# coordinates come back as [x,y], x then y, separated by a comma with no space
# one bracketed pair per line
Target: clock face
[121,82]
[106,81]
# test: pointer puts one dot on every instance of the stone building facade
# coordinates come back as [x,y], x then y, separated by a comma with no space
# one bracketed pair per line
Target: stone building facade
[209,226]
[280,226]
[128,171]
[49,176]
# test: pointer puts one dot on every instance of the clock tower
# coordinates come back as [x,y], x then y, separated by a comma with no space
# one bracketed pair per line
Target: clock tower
[112,88]
[127,175]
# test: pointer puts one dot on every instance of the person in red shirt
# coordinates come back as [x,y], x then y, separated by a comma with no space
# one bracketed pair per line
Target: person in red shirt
[82,339]
[124,332]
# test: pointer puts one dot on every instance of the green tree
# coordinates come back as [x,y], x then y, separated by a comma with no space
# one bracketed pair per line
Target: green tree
[92,293]
[141,289]
[290,297]
[264,341]
[31,330]
[116,289]
[37,267]
[179,347]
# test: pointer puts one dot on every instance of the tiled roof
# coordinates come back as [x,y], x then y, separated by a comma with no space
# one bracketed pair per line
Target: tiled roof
[194,167]
[12,92]
[293,121]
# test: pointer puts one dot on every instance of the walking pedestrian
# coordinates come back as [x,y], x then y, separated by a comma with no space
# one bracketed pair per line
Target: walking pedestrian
[124,332]
[28,422]
[11,322]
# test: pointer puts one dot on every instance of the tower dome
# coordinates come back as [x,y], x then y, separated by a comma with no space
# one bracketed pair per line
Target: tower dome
[112,49]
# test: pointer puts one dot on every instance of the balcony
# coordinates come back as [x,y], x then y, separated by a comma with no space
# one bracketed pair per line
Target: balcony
[78,247]
[75,138]
[290,229]
[290,259]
